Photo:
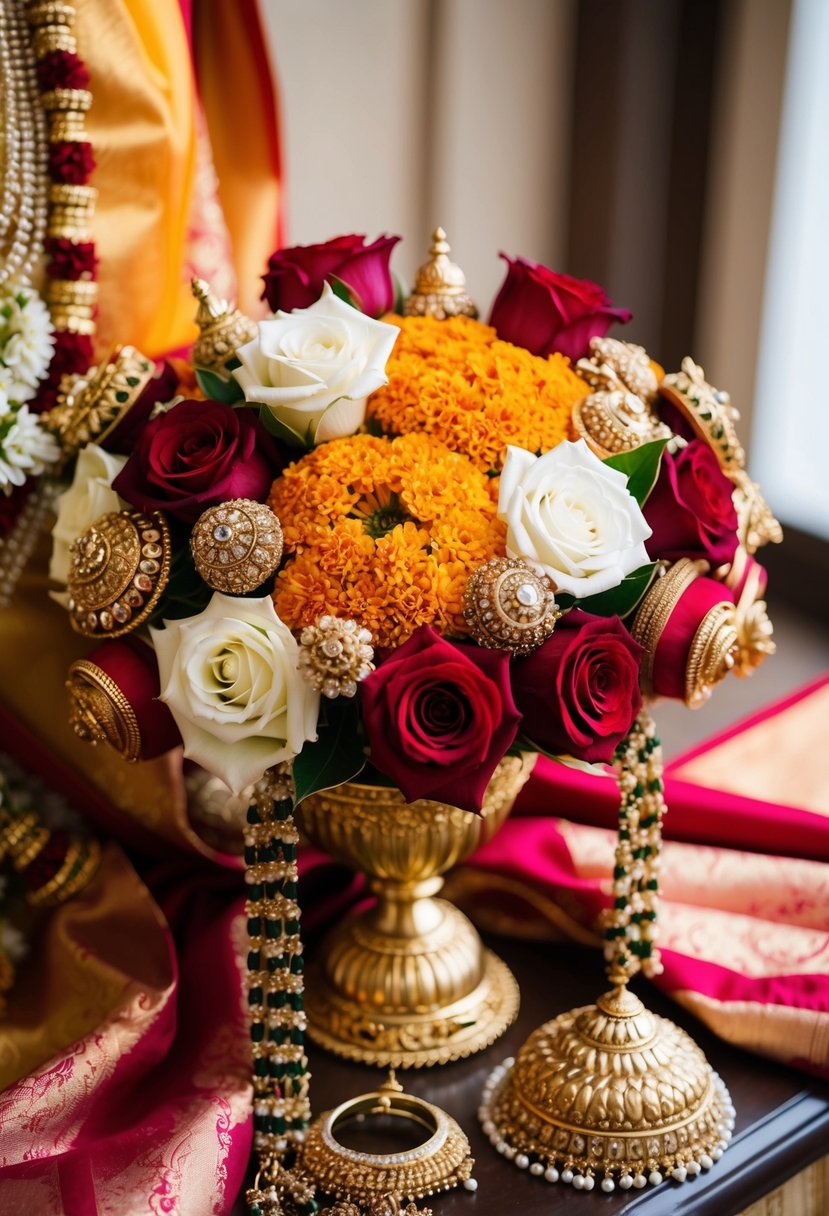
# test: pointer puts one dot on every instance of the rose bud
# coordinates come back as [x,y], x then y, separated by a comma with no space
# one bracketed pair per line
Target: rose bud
[690,509]
[579,692]
[296,276]
[196,454]
[546,312]
[439,717]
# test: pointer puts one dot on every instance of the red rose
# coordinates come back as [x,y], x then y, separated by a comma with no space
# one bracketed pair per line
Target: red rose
[546,312]
[197,454]
[163,386]
[439,717]
[296,276]
[71,160]
[70,259]
[690,509]
[579,692]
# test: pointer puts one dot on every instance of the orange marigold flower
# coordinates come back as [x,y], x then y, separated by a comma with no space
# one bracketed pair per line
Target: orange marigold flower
[457,381]
[383,530]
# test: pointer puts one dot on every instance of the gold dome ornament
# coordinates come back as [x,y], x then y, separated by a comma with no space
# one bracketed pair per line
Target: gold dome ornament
[508,606]
[118,569]
[619,414]
[222,329]
[236,545]
[440,286]
[334,655]
[611,1093]
[441,1161]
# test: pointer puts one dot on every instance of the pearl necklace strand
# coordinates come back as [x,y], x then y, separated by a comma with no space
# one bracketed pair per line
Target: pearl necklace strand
[23,200]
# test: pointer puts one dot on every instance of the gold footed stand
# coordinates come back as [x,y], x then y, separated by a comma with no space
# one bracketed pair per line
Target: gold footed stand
[612,1093]
[408,983]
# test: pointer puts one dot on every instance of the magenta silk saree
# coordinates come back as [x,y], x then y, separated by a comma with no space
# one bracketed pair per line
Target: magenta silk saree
[124,1054]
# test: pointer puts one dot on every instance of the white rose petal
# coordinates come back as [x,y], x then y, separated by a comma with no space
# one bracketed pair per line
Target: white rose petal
[571,517]
[88,498]
[230,678]
[313,368]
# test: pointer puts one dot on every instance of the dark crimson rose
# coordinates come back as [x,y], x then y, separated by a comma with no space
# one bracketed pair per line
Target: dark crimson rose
[439,717]
[70,160]
[690,509]
[61,70]
[70,259]
[196,454]
[547,312]
[296,276]
[579,692]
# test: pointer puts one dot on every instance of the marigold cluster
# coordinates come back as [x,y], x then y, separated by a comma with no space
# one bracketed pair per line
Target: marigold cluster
[456,380]
[385,531]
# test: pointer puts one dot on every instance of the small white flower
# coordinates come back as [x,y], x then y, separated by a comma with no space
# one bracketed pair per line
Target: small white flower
[26,449]
[88,498]
[26,341]
[230,678]
[313,368]
[571,517]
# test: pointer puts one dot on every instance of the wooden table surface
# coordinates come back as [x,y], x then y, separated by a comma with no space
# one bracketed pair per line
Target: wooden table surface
[782,1115]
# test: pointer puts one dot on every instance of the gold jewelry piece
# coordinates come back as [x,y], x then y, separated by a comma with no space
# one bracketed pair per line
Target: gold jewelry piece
[618,415]
[440,286]
[90,409]
[508,606]
[236,545]
[99,712]
[118,569]
[757,524]
[712,654]
[611,1093]
[656,608]
[442,1161]
[222,329]
[334,655]
[709,412]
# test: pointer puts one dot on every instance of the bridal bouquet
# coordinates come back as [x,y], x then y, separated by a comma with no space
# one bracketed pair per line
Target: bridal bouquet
[369,535]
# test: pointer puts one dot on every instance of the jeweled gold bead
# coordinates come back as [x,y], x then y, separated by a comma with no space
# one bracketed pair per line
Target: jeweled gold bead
[113,583]
[440,285]
[508,606]
[222,329]
[236,545]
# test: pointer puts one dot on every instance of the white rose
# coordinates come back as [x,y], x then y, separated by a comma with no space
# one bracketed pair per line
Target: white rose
[572,517]
[88,498]
[230,678]
[313,368]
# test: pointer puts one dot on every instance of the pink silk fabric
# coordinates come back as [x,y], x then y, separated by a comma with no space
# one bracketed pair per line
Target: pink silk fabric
[147,1110]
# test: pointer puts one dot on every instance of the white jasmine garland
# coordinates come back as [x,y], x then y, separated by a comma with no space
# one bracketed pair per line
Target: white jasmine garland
[26,449]
[230,678]
[88,498]
[571,517]
[26,341]
[312,369]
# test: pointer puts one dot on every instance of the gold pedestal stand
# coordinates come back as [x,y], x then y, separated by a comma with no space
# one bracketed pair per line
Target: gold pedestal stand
[611,1093]
[408,983]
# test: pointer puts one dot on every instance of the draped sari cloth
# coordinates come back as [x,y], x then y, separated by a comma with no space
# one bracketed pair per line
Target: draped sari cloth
[124,1052]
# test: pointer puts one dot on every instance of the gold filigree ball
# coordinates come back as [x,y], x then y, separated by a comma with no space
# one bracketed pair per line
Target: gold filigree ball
[236,545]
[117,571]
[334,655]
[507,606]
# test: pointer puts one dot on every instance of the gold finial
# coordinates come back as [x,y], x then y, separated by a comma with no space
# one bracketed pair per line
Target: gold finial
[222,329]
[440,285]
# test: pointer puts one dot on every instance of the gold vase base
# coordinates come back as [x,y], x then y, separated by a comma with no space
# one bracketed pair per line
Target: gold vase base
[608,1096]
[413,1039]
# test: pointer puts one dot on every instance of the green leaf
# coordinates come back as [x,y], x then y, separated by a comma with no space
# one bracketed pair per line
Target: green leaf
[344,292]
[281,430]
[621,600]
[216,388]
[337,755]
[640,466]
[399,295]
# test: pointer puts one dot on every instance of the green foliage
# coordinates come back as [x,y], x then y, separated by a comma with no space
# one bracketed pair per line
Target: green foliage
[337,755]
[640,466]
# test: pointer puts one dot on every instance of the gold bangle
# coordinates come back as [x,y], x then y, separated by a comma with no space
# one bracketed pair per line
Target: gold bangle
[100,712]
[441,1162]
[79,864]
[656,608]
[712,653]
